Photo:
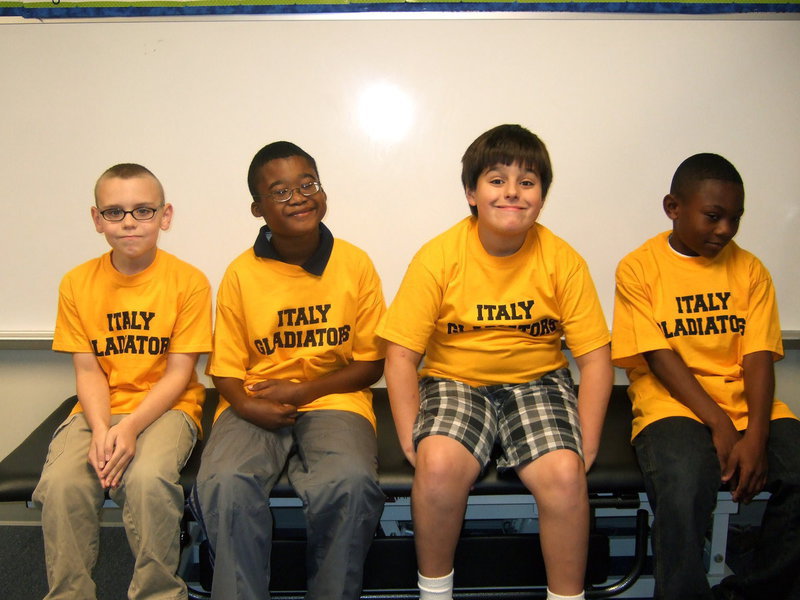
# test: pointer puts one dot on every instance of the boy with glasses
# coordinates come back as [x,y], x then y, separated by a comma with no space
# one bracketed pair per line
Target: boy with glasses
[294,355]
[134,320]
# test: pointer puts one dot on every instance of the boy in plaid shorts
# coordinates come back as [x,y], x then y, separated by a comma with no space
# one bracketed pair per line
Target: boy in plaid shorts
[487,303]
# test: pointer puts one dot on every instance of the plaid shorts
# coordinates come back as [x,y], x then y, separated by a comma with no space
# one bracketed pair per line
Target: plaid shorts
[527,420]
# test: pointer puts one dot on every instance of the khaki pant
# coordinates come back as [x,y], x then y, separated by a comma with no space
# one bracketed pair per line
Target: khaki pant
[149,494]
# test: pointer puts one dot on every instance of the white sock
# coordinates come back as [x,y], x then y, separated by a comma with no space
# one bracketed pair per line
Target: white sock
[435,588]
[552,596]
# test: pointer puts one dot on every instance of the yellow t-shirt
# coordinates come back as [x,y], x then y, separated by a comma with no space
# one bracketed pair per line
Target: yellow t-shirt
[130,323]
[484,320]
[278,321]
[710,311]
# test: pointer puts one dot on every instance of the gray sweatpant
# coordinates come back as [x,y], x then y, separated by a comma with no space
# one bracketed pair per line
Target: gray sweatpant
[332,465]
[149,494]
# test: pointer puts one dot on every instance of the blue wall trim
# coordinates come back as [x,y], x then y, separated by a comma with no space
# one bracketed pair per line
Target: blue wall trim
[659,8]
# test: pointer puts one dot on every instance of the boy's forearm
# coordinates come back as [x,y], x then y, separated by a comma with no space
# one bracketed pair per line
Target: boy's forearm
[597,377]
[165,393]
[759,388]
[682,385]
[356,376]
[403,387]
[91,385]
[232,389]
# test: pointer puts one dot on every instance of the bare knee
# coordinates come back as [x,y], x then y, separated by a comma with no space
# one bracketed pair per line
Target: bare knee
[557,479]
[444,467]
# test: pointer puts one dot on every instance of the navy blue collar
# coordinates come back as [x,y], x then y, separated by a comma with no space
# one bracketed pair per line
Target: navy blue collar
[315,264]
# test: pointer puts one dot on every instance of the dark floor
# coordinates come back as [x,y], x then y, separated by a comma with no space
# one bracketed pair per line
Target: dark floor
[23,576]
[22,570]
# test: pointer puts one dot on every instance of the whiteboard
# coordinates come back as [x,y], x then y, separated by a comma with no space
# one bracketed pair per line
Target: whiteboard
[619,102]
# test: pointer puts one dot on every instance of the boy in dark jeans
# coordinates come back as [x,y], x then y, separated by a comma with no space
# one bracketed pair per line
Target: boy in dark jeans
[696,326]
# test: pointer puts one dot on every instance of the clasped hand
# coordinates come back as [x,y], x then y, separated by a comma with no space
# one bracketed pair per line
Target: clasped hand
[743,463]
[276,402]
[110,452]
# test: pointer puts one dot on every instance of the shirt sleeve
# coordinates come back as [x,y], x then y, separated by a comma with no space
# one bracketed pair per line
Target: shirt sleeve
[229,356]
[412,316]
[763,330]
[635,329]
[367,346]
[70,335]
[192,331]
[582,318]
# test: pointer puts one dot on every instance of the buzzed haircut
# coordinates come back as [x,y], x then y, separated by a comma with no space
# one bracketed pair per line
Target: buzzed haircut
[127,171]
[506,145]
[271,152]
[700,167]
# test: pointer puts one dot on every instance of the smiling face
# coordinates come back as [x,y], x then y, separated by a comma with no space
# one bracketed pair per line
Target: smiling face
[508,199]
[298,217]
[706,217]
[133,243]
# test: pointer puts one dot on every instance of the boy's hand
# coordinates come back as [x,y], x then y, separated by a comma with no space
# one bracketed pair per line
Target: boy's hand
[411,455]
[725,437]
[120,448]
[746,469]
[97,451]
[281,391]
[270,414]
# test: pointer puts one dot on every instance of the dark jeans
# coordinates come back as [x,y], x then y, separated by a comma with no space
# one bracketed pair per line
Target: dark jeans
[682,478]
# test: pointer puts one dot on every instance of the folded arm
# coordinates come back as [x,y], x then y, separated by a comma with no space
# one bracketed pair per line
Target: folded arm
[273,403]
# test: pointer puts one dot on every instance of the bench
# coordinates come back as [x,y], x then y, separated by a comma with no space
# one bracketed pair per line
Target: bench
[493,561]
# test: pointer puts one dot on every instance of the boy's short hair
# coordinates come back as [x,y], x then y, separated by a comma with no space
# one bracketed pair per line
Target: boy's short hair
[700,167]
[127,171]
[506,145]
[271,152]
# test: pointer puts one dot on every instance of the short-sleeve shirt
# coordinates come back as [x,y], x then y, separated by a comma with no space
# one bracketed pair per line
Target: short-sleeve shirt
[486,320]
[131,322]
[281,321]
[711,312]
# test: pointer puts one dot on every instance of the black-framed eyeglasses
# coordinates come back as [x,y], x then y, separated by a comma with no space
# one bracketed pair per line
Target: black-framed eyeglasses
[284,195]
[140,213]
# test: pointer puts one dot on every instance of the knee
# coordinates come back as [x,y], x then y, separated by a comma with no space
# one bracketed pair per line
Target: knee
[686,504]
[559,480]
[354,484]
[62,485]
[151,485]
[443,473]
[220,491]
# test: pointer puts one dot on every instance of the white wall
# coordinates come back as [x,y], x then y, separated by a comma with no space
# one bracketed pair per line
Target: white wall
[619,102]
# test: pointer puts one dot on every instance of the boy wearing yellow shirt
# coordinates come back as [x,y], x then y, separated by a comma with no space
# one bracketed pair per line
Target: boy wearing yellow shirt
[696,327]
[134,320]
[487,303]
[294,355]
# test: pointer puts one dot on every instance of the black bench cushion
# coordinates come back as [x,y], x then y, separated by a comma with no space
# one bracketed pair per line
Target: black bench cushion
[615,470]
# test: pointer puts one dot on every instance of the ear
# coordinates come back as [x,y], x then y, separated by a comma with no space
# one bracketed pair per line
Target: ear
[98,220]
[471,198]
[255,209]
[671,206]
[166,217]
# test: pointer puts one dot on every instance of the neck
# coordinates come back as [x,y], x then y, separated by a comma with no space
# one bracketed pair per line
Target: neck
[296,250]
[498,245]
[135,266]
